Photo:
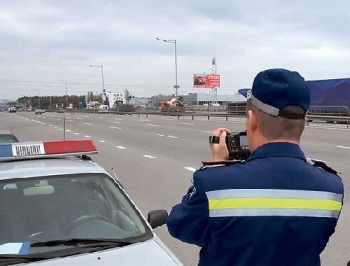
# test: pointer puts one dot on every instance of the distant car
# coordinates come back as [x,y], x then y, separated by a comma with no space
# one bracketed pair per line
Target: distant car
[6,136]
[12,109]
[38,111]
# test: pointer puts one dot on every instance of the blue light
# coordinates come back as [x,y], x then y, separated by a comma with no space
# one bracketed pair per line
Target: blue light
[6,150]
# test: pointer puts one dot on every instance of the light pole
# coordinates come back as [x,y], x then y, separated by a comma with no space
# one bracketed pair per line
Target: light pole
[66,91]
[174,42]
[38,98]
[48,86]
[103,81]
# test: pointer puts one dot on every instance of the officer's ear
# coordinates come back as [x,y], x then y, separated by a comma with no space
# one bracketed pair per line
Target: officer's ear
[252,124]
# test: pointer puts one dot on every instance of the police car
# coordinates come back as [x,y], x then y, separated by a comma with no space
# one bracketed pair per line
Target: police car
[58,207]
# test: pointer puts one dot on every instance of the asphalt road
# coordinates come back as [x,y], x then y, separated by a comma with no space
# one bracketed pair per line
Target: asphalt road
[155,156]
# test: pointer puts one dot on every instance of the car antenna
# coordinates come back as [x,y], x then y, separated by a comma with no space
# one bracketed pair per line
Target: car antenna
[116,178]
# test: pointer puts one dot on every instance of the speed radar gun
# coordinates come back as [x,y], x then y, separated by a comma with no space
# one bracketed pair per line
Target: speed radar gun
[237,145]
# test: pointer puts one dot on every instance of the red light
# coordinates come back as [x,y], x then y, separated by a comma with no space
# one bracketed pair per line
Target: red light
[69,146]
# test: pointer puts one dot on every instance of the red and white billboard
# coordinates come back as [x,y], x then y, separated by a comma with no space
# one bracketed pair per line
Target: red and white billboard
[206,81]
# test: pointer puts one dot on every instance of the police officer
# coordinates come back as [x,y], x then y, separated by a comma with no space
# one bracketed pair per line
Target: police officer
[274,208]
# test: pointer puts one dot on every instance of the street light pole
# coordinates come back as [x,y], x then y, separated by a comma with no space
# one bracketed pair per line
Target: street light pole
[66,91]
[50,95]
[174,42]
[103,81]
[38,98]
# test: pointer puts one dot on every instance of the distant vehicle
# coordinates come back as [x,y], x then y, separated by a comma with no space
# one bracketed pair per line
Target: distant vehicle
[12,109]
[61,110]
[39,111]
[103,107]
[330,97]
[174,105]
[59,207]
[6,136]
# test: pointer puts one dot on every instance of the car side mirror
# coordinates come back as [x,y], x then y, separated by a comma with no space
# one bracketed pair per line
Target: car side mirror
[157,218]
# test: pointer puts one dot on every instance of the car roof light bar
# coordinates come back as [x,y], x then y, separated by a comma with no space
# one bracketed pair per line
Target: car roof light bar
[40,149]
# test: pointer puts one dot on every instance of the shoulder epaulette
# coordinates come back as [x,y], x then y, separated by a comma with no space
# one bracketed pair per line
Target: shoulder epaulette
[323,165]
[210,164]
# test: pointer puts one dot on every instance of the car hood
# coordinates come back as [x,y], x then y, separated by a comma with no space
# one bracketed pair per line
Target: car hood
[151,252]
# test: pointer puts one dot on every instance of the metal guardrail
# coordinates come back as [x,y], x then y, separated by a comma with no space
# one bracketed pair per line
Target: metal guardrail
[329,119]
[193,114]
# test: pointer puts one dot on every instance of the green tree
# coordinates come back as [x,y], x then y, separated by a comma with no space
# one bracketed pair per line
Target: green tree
[127,95]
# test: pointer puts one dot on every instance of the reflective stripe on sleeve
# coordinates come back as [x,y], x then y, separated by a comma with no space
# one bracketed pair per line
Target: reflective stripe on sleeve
[272,202]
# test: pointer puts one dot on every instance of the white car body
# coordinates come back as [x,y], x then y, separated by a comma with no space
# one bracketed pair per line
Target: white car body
[150,250]
[38,111]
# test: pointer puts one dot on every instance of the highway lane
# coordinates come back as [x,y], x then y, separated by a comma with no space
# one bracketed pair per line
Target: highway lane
[155,157]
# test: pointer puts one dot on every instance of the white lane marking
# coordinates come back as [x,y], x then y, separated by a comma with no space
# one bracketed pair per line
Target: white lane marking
[206,131]
[68,130]
[51,125]
[79,118]
[36,121]
[70,120]
[99,117]
[144,120]
[88,124]
[190,169]
[55,127]
[149,156]
[115,127]
[117,122]
[85,116]
[117,118]
[190,124]
[102,141]
[76,133]
[121,147]
[151,125]
[24,118]
[168,136]
[60,128]
[87,136]
[43,123]
[343,147]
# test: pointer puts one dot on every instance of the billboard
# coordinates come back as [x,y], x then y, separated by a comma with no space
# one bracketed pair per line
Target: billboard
[206,81]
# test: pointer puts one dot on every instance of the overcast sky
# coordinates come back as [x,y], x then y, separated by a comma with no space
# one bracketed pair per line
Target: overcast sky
[45,42]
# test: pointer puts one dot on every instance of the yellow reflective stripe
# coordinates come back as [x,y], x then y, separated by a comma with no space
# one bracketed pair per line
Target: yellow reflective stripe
[256,203]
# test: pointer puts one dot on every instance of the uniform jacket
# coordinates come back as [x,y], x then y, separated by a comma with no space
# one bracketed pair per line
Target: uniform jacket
[273,209]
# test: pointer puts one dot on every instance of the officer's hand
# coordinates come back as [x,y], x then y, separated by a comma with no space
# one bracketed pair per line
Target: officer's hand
[219,150]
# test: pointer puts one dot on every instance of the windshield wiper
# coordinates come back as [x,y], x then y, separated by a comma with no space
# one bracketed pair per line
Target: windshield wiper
[82,242]
[87,245]
[15,259]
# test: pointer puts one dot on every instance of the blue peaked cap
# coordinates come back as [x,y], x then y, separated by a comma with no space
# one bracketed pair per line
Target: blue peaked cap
[273,89]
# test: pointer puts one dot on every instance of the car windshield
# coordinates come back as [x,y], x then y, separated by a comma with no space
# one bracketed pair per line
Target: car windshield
[69,207]
[7,138]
